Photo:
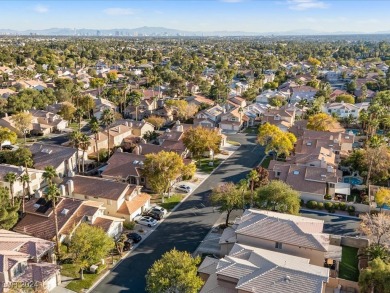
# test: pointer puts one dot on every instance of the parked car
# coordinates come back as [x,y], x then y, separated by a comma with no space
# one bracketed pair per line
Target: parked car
[155,215]
[9,147]
[128,244]
[159,210]
[147,221]
[184,188]
[135,237]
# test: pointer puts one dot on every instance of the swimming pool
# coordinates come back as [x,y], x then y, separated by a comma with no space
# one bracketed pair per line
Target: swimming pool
[353,180]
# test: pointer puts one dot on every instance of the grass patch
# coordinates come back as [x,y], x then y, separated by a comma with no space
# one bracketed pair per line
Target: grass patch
[171,202]
[265,162]
[205,167]
[250,130]
[80,285]
[74,126]
[349,264]
[235,143]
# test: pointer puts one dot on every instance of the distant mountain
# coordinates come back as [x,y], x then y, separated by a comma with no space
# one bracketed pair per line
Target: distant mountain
[162,31]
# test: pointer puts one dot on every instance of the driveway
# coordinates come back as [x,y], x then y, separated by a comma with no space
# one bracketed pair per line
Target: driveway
[186,227]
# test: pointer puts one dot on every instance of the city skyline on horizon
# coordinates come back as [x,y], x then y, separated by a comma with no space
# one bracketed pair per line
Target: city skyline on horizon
[207,16]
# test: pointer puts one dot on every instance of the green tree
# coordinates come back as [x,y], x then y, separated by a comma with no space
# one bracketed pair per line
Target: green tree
[112,76]
[67,111]
[52,194]
[276,140]
[85,143]
[346,99]
[8,211]
[97,83]
[156,121]
[375,250]
[252,177]
[321,122]
[75,138]
[89,245]
[95,129]
[20,157]
[107,119]
[375,278]
[11,178]
[278,196]
[176,271]
[199,140]
[25,180]
[227,197]
[6,135]
[135,100]
[22,122]
[162,169]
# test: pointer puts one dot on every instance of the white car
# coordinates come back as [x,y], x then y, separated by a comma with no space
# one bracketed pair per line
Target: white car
[147,221]
[184,188]
[159,210]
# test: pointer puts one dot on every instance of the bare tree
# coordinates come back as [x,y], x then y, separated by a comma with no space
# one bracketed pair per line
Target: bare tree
[376,228]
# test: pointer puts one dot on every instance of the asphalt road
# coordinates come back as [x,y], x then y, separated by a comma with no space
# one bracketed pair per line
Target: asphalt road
[186,227]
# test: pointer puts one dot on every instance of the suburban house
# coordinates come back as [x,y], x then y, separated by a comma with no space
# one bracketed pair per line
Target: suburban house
[101,105]
[45,122]
[26,259]
[31,84]
[7,122]
[282,118]
[233,120]
[39,218]
[210,117]
[237,101]
[303,92]
[120,199]
[126,167]
[313,183]
[172,139]
[5,93]
[284,233]
[344,110]
[200,101]
[266,95]
[35,178]
[139,128]
[63,159]
[144,110]
[250,269]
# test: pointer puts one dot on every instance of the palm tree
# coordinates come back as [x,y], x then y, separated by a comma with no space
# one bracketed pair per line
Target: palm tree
[95,129]
[75,140]
[136,102]
[25,180]
[52,194]
[107,119]
[28,162]
[49,174]
[79,115]
[243,186]
[85,142]
[252,177]
[11,177]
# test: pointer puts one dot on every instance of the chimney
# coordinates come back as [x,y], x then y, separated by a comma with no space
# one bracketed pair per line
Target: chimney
[127,123]
[38,193]
[70,184]
[130,124]
[62,190]
[119,129]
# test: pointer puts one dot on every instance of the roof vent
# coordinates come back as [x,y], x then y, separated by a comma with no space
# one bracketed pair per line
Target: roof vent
[296,172]
[135,162]
[308,143]
[65,212]
[47,151]
[287,278]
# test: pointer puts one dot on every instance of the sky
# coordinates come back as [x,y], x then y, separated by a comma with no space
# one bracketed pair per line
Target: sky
[360,16]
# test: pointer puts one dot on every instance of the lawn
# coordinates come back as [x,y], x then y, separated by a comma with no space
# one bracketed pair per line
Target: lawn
[171,202]
[265,162]
[235,143]
[205,167]
[250,130]
[349,264]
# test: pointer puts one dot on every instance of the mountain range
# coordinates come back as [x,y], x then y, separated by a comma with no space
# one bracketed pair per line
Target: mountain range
[162,31]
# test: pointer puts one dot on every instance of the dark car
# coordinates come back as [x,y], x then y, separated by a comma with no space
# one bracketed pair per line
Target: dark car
[154,215]
[135,237]
[128,244]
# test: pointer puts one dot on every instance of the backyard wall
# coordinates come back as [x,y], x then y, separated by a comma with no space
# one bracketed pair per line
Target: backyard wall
[334,282]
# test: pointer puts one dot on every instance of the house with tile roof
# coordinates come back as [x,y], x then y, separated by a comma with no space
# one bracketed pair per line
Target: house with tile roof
[39,218]
[199,100]
[210,117]
[304,92]
[233,120]
[344,110]
[62,158]
[248,269]
[119,199]
[282,118]
[27,259]
[5,93]
[289,234]
[44,122]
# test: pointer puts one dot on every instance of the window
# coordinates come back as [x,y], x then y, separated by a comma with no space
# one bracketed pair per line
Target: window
[332,185]
[278,173]
[142,180]
[278,245]
[109,202]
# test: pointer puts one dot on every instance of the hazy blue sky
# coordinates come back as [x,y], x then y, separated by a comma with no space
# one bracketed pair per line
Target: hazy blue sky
[205,15]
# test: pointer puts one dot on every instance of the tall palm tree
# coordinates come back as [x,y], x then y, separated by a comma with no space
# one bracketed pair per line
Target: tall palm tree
[52,195]
[252,177]
[25,180]
[85,142]
[79,115]
[49,174]
[107,119]
[95,129]
[28,162]
[11,177]
[75,140]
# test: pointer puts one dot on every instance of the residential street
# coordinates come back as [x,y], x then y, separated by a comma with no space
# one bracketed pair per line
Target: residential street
[187,226]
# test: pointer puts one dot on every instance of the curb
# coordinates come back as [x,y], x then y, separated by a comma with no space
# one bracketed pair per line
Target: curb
[155,227]
[330,214]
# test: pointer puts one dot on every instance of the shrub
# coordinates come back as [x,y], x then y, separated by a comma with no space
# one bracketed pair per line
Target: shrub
[328,196]
[336,205]
[343,206]
[320,205]
[101,268]
[351,210]
[328,206]
[312,204]
[302,203]
[129,225]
